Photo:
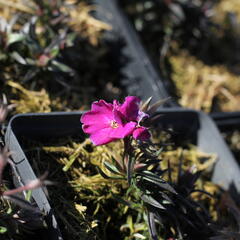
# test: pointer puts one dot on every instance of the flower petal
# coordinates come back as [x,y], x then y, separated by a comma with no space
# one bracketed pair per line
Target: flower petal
[100,115]
[123,130]
[92,128]
[141,133]
[95,119]
[116,104]
[118,117]
[102,137]
[130,108]
[101,106]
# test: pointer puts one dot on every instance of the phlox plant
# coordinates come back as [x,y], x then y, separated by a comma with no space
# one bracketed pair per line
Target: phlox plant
[171,211]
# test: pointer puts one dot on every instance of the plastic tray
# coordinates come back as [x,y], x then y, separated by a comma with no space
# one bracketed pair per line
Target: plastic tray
[189,124]
[142,78]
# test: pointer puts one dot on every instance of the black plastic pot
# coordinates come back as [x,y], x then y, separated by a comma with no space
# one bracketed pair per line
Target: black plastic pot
[227,121]
[22,174]
[196,127]
[142,79]
[229,125]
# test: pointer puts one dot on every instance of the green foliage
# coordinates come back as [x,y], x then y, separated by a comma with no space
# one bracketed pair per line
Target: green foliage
[35,51]
[56,47]
[3,229]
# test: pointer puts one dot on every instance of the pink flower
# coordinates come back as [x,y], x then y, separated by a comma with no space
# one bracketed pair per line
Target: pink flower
[141,133]
[129,108]
[107,122]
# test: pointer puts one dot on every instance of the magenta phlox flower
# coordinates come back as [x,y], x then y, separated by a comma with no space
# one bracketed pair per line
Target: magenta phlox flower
[130,108]
[107,122]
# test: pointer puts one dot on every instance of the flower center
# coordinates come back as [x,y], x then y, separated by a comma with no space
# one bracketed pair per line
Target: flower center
[114,124]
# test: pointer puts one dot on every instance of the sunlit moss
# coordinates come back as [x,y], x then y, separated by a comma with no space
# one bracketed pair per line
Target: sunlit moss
[224,7]
[232,137]
[199,85]
[82,21]
[30,101]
